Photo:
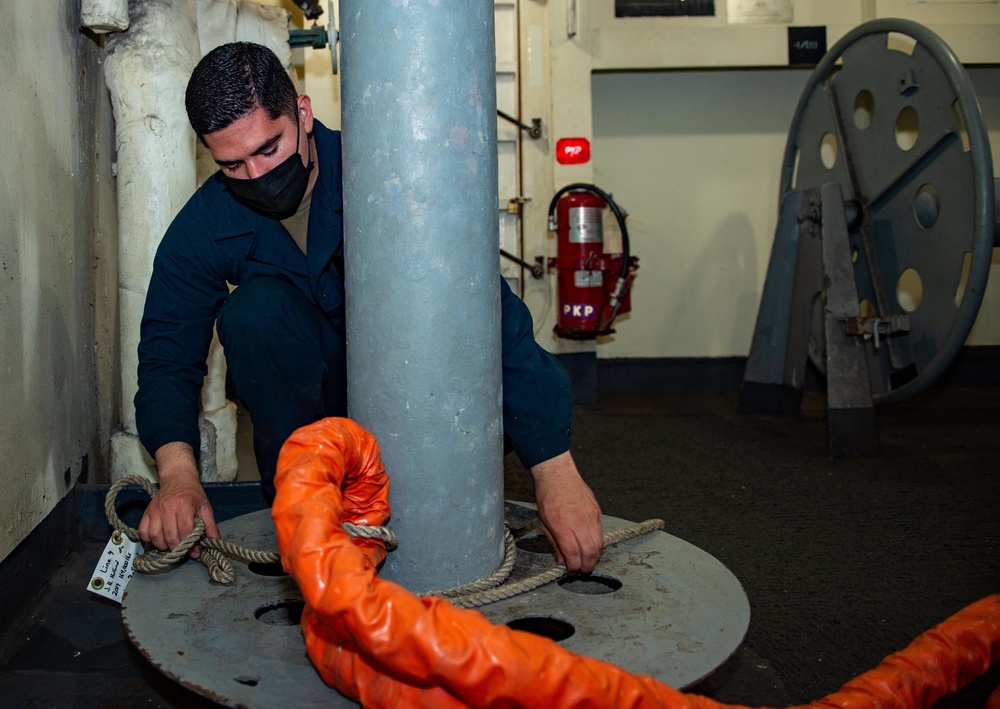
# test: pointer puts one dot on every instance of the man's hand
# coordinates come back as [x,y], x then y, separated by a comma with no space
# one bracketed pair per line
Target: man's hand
[570,515]
[170,515]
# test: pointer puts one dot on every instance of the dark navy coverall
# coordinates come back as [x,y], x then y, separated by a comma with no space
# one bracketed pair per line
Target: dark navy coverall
[282,328]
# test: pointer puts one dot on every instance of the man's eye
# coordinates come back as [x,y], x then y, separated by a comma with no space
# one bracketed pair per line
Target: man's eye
[270,152]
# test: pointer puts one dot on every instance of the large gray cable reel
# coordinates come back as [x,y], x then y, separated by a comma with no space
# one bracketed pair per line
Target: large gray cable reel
[885,233]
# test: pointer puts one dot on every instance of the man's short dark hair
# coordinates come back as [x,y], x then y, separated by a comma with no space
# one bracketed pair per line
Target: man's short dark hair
[234,79]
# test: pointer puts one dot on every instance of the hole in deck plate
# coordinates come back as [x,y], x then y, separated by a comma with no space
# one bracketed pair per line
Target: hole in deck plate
[535,544]
[590,584]
[551,628]
[248,680]
[266,569]
[280,613]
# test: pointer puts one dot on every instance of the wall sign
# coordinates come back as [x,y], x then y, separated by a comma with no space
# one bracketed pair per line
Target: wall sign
[664,8]
[759,11]
[806,45]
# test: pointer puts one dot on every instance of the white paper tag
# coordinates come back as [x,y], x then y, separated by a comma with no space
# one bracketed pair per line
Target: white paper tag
[115,568]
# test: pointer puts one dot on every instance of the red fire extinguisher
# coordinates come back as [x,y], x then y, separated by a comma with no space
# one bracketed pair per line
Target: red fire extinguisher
[593,286]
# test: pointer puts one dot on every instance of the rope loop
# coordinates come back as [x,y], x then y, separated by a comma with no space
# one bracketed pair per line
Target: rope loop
[476,598]
[215,552]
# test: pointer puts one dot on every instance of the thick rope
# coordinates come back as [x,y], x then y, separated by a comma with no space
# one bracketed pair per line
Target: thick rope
[483,584]
[216,553]
[482,598]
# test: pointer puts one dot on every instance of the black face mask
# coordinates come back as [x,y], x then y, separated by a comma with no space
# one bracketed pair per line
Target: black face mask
[277,193]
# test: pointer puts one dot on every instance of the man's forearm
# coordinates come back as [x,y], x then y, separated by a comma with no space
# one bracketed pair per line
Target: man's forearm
[569,512]
[175,462]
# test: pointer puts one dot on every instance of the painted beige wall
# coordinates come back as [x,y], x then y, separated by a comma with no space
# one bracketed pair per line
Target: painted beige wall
[693,152]
[695,157]
[688,119]
[57,274]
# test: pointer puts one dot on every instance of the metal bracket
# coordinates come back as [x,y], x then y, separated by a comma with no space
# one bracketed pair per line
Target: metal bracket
[851,422]
[536,269]
[317,36]
[534,130]
[876,327]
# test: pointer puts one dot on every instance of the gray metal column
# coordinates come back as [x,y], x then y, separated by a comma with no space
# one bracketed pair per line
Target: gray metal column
[422,274]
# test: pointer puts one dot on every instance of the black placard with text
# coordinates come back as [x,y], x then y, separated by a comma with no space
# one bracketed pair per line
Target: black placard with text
[806,45]
[664,8]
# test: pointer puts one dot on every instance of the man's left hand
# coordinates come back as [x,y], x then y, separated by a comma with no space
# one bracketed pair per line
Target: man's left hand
[569,513]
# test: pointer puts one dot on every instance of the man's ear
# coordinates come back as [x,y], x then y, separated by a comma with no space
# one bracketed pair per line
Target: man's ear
[305,113]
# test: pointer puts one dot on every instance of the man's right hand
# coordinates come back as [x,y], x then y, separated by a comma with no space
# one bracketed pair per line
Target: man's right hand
[171,513]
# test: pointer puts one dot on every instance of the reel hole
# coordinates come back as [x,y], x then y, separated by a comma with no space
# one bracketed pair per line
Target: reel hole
[899,42]
[828,150]
[864,109]
[962,131]
[963,281]
[907,128]
[927,206]
[909,290]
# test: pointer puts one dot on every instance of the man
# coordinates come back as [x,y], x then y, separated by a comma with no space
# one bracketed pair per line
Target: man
[270,223]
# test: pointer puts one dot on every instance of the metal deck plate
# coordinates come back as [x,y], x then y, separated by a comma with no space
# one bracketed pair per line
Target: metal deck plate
[655,606]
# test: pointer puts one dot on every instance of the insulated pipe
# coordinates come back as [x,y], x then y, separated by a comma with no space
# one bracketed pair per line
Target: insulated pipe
[102,16]
[422,276]
[147,70]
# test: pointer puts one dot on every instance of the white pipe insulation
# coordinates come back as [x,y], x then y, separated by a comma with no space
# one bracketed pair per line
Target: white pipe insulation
[102,16]
[147,69]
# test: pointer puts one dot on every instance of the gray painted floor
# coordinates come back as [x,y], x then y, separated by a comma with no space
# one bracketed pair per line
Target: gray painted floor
[843,561]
